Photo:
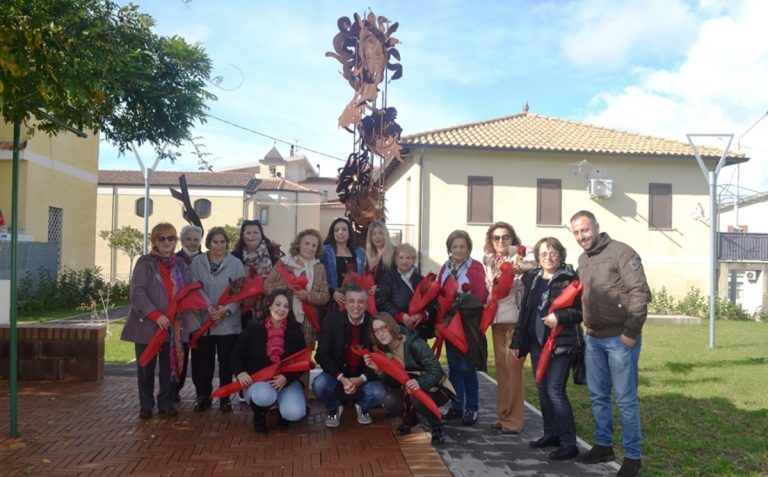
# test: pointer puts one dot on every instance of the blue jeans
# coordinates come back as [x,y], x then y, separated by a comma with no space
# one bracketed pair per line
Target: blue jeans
[556,410]
[290,399]
[330,391]
[464,380]
[612,365]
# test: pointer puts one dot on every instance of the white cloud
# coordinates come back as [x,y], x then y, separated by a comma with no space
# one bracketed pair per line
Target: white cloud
[718,88]
[609,34]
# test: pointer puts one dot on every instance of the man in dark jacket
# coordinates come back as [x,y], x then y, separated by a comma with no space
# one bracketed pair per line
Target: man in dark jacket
[615,304]
[345,375]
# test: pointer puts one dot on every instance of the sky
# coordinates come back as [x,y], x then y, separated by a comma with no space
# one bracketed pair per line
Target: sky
[658,67]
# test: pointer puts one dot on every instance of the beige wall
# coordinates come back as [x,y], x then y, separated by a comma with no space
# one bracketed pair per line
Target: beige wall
[58,172]
[675,258]
[289,213]
[117,208]
[117,205]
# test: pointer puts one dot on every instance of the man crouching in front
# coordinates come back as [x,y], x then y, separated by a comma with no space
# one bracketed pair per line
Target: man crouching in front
[345,375]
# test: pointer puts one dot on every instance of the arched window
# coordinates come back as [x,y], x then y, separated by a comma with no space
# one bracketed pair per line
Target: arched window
[264,216]
[140,207]
[203,208]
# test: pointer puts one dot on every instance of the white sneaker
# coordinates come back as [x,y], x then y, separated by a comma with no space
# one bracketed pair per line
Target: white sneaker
[363,416]
[333,419]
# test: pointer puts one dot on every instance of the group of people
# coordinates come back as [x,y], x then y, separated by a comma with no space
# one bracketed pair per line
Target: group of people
[333,310]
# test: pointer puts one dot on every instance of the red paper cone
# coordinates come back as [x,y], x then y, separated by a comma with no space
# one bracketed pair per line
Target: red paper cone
[394,369]
[153,347]
[426,291]
[564,300]
[454,332]
[489,313]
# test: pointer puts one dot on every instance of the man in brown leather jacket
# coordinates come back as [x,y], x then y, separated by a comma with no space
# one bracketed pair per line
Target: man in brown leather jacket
[615,304]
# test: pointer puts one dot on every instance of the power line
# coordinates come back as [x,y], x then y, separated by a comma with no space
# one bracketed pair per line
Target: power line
[289,143]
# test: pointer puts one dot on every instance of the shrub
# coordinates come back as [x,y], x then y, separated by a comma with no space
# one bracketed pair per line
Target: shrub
[661,303]
[69,290]
[693,304]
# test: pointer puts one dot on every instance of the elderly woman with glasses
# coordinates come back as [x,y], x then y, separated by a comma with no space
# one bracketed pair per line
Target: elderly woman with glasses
[533,328]
[190,238]
[216,268]
[502,246]
[396,288]
[462,368]
[423,368]
[156,277]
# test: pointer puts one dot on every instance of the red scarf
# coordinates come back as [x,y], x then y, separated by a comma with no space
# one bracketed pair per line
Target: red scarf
[275,339]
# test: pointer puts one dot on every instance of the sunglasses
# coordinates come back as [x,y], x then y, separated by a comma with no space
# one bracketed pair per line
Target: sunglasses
[166,238]
[500,238]
[251,222]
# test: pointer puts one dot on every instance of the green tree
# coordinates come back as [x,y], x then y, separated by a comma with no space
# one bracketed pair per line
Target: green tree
[126,239]
[95,65]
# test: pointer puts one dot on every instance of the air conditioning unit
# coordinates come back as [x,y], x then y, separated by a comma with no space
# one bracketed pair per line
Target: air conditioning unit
[600,187]
[751,275]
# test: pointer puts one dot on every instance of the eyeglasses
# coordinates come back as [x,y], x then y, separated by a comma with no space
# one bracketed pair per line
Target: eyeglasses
[380,330]
[500,238]
[166,238]
[549,254]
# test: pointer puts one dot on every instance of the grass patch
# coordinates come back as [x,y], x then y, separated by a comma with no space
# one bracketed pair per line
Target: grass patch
[116,350]
[704,411]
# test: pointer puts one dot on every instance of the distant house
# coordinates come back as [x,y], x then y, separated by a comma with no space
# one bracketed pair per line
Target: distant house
[743,252]
[219,198]
[535,171]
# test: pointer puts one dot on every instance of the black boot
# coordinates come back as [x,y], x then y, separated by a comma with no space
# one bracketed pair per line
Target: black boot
[437,434]
[259,418]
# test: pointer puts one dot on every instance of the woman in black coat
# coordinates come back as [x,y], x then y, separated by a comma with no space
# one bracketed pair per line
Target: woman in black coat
[534,325]
[395,288]
[265,343]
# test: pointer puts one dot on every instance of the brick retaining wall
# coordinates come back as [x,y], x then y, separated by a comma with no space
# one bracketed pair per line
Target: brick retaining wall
[53,352]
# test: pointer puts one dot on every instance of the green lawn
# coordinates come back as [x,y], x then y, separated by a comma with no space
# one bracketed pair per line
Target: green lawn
[704,411]
[115,349]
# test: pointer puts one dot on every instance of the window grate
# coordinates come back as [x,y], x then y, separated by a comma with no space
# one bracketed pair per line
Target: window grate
[56,231]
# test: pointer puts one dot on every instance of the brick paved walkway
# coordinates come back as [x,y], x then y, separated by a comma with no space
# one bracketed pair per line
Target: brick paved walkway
[93,429]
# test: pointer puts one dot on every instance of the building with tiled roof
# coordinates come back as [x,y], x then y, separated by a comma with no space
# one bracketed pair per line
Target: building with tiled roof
[220,198]
[535,171]
[55,219]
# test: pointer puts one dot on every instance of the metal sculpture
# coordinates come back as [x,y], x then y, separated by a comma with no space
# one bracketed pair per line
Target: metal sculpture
[187,210]
[366,49]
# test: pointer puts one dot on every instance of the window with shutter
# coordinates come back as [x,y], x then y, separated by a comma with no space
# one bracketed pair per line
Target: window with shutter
[140,207]
[549,194]
[480,200]
[660,206]
[202,208]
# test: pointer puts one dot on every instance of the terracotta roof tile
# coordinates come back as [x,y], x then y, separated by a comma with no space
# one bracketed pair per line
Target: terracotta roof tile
[171,178]
[533,132]
[332,204]
[278,184]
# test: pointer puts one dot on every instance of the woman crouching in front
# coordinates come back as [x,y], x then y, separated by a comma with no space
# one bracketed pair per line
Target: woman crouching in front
[265,343]
[423,368]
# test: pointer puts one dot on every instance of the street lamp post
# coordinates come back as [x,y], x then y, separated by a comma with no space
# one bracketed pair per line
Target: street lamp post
[711,177]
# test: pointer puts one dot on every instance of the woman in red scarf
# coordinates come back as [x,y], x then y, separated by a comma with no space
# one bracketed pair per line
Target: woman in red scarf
[155,279]
[265,343]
